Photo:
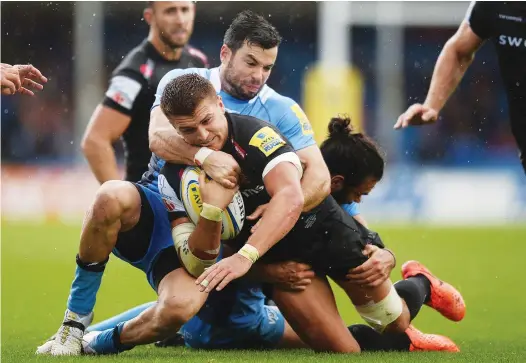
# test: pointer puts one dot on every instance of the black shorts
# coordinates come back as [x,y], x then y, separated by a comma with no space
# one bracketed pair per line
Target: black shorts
[328,239]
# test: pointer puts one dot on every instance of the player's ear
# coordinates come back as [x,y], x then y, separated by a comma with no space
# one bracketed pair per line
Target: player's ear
[337,183]
[225,54]
[148,14]
[220,104]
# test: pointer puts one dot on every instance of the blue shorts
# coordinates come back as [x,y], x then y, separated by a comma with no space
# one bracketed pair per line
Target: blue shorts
[149,243]
[248,323]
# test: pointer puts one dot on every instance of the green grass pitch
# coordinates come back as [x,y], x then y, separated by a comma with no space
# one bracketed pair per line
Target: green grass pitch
[486,264]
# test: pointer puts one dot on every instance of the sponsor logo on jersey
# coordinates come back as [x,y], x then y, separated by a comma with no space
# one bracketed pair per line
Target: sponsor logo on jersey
[518,19]
[266,140]
[147,69]
[239,150]
[254,191]
[512,41]
[306,128]
[168,196]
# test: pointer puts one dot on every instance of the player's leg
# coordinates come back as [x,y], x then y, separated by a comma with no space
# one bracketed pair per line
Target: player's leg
[120,318]
[116,208]
[391,307]
[420,284]
[313,314]
[254,324]
[179,300]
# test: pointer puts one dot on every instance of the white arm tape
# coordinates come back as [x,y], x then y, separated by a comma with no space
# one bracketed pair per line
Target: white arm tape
[201,155]
[379,315]
[192,264]
[290,157]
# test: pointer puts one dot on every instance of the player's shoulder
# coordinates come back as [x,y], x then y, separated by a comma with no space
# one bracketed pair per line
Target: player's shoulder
[133,61]
[246,124]
[272,99]
[276,104]
[197,54]
[249,130]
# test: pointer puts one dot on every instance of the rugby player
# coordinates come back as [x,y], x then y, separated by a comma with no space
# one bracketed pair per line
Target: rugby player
[325,237]
[129,219]
[125,110]
[241,320]
[504,24]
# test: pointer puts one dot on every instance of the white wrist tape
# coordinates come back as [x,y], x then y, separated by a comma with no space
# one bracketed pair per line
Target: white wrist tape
[212,213]
[250,252]
[201,156]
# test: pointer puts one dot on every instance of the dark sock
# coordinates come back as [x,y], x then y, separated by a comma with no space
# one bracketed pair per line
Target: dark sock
[117,339]
[415,291]
[85,286]
[372,341]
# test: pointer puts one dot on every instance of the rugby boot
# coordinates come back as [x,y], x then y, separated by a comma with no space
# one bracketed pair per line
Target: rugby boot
[429,342]
[444,298]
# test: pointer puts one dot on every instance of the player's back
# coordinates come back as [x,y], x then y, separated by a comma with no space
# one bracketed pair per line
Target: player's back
[132,92]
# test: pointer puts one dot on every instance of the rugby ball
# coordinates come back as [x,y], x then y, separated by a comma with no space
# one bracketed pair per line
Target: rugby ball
[233,215]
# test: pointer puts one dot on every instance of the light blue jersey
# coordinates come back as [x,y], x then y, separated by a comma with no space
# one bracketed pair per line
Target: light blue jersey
[351,209]
[267,105]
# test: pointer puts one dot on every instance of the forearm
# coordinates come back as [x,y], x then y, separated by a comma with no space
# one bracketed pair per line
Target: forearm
[167,143]
[205,238]
[449,70]
[281,215]
[315,185]
[101,159]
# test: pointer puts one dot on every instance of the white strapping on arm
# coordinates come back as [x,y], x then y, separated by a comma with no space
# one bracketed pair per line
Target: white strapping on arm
[195,266]
[290,157]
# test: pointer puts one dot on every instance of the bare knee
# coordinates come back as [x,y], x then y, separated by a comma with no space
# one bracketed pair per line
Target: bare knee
[175,311]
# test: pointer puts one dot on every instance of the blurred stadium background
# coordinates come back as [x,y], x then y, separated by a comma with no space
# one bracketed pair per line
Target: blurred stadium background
[368,59]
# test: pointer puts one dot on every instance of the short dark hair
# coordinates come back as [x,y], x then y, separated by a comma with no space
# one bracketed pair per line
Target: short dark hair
[183,94]
[352,155]
[252,28]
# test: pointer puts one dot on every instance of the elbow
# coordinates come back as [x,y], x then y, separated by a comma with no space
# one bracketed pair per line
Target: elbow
[88,144]
[325,187]
[152,143]
[155,142]
[463,57]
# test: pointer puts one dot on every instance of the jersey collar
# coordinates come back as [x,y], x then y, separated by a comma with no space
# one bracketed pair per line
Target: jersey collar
[215,79]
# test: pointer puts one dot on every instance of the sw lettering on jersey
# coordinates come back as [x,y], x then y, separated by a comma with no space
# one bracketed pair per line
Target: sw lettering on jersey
[512,41]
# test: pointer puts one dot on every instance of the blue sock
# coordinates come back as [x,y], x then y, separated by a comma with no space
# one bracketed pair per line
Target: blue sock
[123,317]
[108,342]
[85,286]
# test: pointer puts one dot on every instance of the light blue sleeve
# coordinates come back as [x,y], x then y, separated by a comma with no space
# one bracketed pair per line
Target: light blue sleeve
[351,209]
[292,122]
[174,73]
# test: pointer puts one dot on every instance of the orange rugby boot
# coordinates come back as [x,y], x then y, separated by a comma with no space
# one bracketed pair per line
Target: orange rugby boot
[444,298]
[429,342]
